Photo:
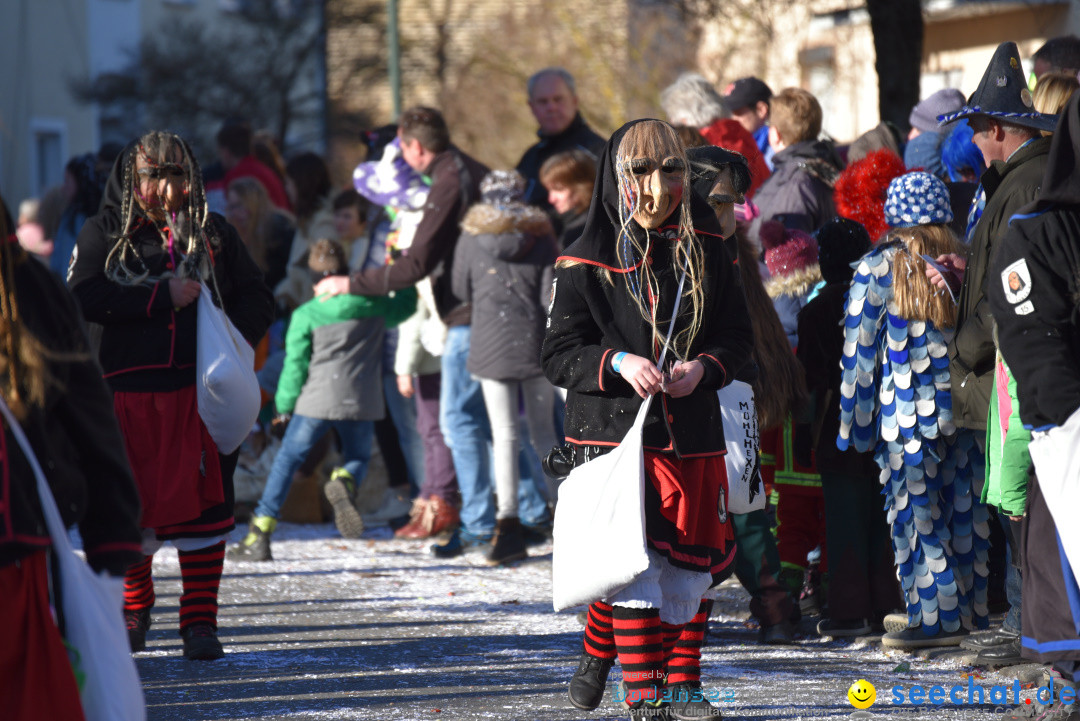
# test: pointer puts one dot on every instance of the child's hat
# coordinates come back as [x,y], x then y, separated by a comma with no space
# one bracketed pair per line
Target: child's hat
[501,187]
[841,242]
[917,199]
[787,251]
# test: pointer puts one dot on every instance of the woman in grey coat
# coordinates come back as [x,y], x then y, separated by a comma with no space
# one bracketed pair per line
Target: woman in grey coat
[504,267]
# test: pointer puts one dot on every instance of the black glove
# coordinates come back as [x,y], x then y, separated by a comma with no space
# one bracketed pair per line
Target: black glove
[559,462]
[279,424]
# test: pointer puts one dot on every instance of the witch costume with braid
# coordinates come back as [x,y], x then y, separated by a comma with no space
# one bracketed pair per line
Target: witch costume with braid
[895,401]
[611,304]
[154,238]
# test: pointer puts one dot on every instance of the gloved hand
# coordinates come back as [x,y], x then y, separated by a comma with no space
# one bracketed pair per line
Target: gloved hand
[279,424]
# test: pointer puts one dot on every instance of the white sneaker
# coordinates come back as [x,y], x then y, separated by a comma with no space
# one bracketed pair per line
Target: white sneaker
[395,504]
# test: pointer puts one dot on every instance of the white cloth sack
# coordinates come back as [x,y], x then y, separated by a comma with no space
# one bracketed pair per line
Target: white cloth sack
[227,390]
[746,491]
[599,529]
[93,609]
[1056,455]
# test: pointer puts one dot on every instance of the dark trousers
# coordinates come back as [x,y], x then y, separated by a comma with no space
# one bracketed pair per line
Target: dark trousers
[862,577]
[757,565]
[439,477]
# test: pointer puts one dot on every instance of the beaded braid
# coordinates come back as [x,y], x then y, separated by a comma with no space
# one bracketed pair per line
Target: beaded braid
[687,253]
[192,225]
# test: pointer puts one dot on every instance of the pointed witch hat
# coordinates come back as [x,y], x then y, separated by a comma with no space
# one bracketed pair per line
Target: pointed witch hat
[1003,94]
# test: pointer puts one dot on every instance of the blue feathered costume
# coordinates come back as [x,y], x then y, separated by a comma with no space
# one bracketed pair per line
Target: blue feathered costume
[895,400]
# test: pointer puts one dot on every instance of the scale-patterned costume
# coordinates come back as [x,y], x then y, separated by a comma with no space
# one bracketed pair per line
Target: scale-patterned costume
[895,400]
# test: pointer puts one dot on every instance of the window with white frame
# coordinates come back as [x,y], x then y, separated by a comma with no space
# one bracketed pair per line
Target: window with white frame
[48,153]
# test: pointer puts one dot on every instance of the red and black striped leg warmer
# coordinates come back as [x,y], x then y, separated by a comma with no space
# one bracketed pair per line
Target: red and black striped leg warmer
[139,586]
[201,571]
[684,663]
[671,636]
[639,640]
[599,636]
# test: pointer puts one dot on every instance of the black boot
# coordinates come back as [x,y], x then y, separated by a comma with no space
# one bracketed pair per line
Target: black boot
[201,643]
[508,544]
[587,685]
[138,623]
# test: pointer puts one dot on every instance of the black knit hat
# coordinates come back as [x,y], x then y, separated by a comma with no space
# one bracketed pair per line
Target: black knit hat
[841,242]
[1003,94]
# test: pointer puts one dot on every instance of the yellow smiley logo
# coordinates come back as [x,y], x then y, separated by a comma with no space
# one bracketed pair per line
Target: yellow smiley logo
[862,694]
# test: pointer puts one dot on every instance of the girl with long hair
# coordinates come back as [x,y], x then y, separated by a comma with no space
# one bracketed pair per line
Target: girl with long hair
[895,401]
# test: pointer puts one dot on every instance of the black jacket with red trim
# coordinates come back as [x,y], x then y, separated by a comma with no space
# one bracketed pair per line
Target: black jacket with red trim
[591,319]
[74,435]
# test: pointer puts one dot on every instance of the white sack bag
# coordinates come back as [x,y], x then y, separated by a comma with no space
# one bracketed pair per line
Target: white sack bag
[93,609]
[227,390]
[1056,455]
[599,530]
[746,492]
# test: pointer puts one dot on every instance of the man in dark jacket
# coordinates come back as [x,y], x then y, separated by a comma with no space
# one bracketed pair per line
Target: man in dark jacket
[1007,132]
[800,191]
[553,101]
[455,186]
[1033,286]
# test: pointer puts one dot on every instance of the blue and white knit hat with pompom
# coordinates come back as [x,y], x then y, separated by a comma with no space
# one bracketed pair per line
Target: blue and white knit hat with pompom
[917,199]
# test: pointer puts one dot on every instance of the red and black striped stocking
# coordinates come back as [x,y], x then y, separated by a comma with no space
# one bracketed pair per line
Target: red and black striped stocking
[139,586]
[684,662]
[201,571]
[599,636]
[639,640]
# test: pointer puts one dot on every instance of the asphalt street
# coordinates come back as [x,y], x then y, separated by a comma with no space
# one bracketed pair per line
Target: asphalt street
[379,629]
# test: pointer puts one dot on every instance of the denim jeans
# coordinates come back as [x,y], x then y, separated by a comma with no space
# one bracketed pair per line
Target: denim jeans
[402,412]
[464,422]
[303,433]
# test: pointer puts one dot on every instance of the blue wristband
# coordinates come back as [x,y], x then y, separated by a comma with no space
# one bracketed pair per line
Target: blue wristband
[616,361]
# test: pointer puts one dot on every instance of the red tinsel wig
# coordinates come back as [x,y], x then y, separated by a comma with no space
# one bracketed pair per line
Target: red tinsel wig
[730,135]
[860,190]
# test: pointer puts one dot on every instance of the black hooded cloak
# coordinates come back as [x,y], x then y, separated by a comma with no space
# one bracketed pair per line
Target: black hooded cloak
[591,319]
[147,344]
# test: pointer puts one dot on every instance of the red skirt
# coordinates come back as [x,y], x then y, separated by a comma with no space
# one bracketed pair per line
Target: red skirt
[173,457]
[682,517]
[36,680]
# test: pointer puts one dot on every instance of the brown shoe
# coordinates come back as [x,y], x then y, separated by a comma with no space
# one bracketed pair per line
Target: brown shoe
[444,516]
[415,527]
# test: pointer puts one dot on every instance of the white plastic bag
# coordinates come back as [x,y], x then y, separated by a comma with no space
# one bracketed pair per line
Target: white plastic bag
[746,492]
[228,391]
[599,526]
[1056,455]
[93,615]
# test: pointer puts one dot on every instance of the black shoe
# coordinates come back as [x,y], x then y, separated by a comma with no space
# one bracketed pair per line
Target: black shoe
[688,703]
[989,639]
[138,623]
[201,643]
[649,711]
[459,542]
[587,685]
[1005,654]
[835,628]
[508,545]
[811,597]
[536,534]
[778,634]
